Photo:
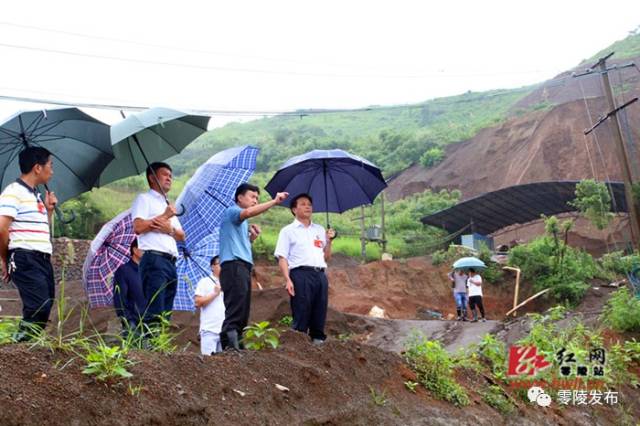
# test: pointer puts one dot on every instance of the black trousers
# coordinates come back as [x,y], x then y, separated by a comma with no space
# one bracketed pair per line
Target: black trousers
[235,280]
[32,273]
[309,305]
[476,301]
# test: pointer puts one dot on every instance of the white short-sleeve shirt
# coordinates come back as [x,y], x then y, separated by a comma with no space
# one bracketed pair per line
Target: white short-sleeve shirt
[29,229]
[147,206]
[212,315]
[475,290]
[302,245]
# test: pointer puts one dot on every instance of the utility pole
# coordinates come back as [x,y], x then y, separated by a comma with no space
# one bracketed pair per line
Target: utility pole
[621,148]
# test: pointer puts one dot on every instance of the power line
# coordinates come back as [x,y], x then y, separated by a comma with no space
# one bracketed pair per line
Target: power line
[252,70]
[233,55]
[558,81]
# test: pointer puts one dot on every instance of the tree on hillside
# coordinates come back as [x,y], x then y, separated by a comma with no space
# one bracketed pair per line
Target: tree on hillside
[594,202]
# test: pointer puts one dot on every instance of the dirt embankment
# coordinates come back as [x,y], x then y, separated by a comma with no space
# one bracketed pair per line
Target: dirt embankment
[537,145]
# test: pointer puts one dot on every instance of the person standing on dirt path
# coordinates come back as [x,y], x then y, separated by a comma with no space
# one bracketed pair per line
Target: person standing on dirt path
[459,284]
[25,240]
[475,294]
[236,260]
[128,297]
[303,249]
[158,229]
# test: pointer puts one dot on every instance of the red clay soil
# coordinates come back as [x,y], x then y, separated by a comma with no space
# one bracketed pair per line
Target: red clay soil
[331,384]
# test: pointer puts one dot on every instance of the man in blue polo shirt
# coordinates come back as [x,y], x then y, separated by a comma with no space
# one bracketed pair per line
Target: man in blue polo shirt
[236,260]
[25,241]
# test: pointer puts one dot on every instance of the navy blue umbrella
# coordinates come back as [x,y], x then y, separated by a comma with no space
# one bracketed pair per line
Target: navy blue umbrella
[336,180]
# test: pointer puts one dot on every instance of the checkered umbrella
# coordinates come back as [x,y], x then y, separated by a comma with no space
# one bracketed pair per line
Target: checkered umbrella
[207,194]
[211,189]
[192,266]
[109,250]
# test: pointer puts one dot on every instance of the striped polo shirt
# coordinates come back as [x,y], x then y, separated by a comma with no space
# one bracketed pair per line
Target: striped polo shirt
[29,229]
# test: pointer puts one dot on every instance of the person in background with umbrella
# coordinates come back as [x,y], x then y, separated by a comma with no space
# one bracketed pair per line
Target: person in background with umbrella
[475,294]
[236,260]
[303,249]
[158,229]
[25,240]
[459,283]
[128,297]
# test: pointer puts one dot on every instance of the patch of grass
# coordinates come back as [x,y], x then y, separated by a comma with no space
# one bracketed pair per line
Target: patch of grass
[8,327]
[435,369]
[411,386]
[379,399]
[286,320]
[496,398]
[622,311]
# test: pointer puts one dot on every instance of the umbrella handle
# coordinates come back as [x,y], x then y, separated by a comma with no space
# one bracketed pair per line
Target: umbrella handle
[182,211]
[61,218]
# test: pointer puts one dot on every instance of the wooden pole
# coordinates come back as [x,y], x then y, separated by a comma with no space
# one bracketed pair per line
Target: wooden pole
[515,294]
[623,155]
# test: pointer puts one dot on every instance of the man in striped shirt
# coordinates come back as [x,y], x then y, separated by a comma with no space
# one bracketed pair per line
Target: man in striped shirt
[25,240]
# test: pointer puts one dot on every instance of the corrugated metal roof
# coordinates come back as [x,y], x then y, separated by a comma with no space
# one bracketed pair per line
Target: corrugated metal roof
[495,210]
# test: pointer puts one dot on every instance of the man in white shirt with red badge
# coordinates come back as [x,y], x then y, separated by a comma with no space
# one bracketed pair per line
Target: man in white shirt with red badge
[303,249]
[158,229]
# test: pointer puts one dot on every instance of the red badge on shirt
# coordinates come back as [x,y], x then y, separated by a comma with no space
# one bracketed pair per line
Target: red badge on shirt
[41,208]
[317,242]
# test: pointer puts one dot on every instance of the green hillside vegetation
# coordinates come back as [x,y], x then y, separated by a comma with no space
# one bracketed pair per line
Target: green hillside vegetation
[393,137]
[629,47]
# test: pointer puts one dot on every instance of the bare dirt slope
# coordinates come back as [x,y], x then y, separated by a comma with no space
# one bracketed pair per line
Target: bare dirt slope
[535,144]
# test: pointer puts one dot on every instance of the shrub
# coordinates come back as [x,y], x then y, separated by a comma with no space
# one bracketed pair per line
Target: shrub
[618,263]
[434,368]
[622,311]
[550,263]
[286,320]
[495,397]
[257,336]
[594,202]
[107,362]
[432,156]
[495,352]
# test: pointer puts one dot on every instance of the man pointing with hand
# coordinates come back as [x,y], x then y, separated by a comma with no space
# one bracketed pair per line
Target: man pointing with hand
[236,236]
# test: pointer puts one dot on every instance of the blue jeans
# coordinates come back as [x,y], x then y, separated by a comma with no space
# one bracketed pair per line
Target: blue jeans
[461,300]
[159,284]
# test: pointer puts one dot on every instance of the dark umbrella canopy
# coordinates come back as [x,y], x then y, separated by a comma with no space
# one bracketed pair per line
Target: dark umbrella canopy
[152,135]
[79,144]
[336,180]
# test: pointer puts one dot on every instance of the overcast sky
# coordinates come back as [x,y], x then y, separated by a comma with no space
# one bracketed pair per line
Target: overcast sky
[285,55]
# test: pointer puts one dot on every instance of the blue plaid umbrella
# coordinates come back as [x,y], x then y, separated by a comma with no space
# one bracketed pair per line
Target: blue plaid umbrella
[192,266]
[211,189]
[205,197]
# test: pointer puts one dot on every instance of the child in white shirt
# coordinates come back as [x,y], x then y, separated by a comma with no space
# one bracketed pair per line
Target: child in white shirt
[475,294]
[209,298]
